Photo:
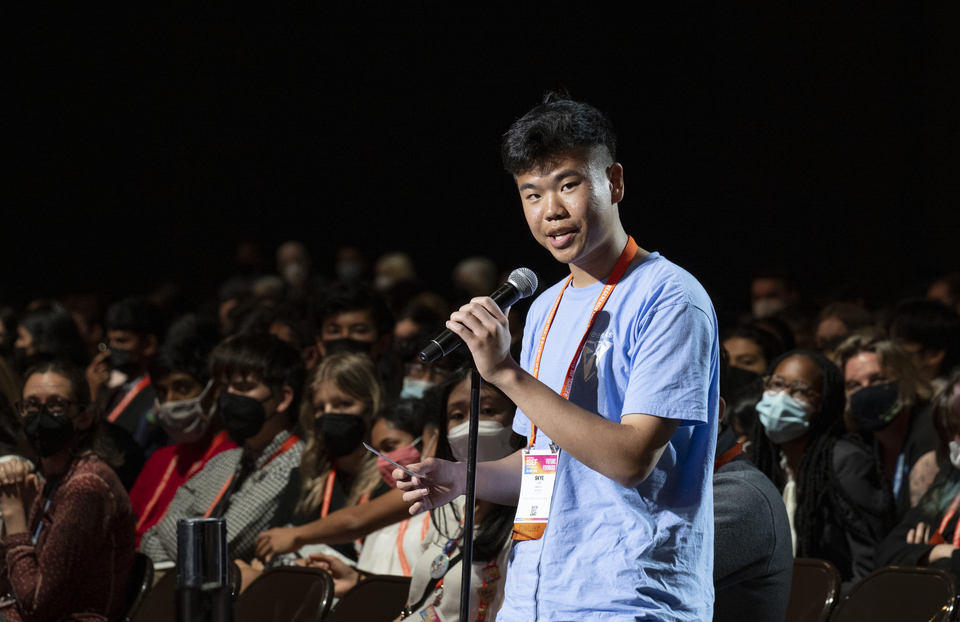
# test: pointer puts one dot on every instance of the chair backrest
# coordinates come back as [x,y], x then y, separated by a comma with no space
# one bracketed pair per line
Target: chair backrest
[141,579]
[160,603]
[904,594]
[814,591]
[375,599]
[287,594]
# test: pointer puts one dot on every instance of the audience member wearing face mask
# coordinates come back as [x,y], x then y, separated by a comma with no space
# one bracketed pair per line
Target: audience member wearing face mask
[839,505]
[186,406]
[337,471]
[69,543]
[399,433]
[441,555]
[751,576]
[929,535]
[261,382]
[118,376]
[888,403]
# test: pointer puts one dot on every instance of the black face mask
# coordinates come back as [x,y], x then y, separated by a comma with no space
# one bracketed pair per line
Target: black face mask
[348,346]
[48,433]
[243,417]
[122,360]
[343,433]
[874,408]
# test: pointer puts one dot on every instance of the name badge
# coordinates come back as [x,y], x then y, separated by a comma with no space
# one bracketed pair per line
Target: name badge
[536,492]
[430,614]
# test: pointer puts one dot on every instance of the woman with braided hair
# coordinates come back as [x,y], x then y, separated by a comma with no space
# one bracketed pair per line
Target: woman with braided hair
[839,503]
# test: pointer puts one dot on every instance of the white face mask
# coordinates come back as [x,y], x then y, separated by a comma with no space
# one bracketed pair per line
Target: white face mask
[767,307]
[185,421]
[955,454]
[493,441]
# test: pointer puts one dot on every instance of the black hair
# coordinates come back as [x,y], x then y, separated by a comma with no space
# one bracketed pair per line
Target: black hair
[933,325]
[551,128]
[355,297]
[187,349]
[406,415]
[55,334]
[274,361]
[497,525]
[780,330]
[95,438]
[769,345]
[817,483]
[137,315]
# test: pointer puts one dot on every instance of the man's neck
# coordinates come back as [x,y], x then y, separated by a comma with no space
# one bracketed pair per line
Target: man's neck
[600,265]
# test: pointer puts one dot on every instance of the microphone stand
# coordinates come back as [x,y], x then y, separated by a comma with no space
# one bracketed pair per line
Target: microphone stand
[471,503]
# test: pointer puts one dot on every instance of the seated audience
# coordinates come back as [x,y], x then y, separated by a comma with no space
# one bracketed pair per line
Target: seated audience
[928,534]
[751,348]
[888,402]
[68,545]
[186,406]
[442,554]
[354,319]
[261,380]
[753,552]
[930,332]
[134,327]
[337,471]
[832,484]
[946,289]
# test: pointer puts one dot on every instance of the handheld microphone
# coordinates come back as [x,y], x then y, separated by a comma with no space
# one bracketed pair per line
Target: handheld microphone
[521,283]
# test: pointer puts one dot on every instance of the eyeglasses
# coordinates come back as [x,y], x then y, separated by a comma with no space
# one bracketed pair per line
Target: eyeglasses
[797,389]
[422,371]
[56,405]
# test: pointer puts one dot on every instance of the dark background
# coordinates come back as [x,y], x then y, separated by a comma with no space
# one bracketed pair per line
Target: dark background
[143,145]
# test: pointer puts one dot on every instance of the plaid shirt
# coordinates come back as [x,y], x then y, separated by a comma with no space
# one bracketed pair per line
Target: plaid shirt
[266,499]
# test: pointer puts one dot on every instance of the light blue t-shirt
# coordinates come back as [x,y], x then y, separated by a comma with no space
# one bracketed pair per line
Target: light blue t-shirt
[609,552]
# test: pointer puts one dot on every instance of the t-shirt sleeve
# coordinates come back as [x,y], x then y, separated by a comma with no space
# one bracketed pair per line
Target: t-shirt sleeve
[675,363]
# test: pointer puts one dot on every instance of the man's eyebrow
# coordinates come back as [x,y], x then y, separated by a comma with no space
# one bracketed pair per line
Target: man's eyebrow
[558,177]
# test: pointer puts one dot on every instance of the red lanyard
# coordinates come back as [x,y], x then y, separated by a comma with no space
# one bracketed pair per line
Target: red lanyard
[217,441]
[626,257]
[287,445]
[131,394]
[946,519]
[728,455]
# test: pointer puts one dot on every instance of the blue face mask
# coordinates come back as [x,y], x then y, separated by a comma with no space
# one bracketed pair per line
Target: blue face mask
[413,388]
[783,417]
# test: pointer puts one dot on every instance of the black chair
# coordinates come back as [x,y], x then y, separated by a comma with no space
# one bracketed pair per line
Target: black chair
[160,603]
[814,591]
[901,593]
[287,594]
[141,579]
[378,598]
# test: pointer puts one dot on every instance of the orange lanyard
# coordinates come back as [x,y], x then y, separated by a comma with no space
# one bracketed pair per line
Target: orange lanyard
[287,445]
[404,566]
[328,491]
[217,441]
[728,455]
[946,519]
[626,257]
[129,397]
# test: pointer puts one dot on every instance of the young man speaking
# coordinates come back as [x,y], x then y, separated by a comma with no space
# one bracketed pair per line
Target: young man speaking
[617,393]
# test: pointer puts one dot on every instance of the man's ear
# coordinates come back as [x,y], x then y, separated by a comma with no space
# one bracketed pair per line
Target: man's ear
[933,358]
[310,356]
[148,345]
[286,399]
[615,176]
[723,409]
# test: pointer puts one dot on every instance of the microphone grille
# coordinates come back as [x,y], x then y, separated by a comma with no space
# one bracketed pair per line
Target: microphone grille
[524,280]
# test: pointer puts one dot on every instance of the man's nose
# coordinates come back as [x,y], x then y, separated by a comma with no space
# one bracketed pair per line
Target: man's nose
[554,207]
